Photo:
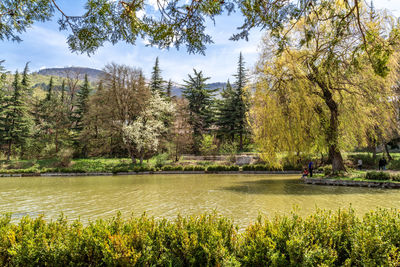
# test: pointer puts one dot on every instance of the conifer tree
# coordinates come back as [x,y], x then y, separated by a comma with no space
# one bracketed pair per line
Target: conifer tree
[63,91]
[169,89]
[81,111]
[157,82]
[82,103]
[240,101]
[200,99]
[226,112]
[17,122]
[50,89]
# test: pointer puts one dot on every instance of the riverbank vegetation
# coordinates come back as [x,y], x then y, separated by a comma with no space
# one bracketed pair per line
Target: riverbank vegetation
[314,95]
[324,238]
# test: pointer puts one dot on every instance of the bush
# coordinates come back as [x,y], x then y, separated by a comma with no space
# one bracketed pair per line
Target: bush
[222,168]
[194,168]
[256,167]
[172,168]
[64,157]
[161,160]
[367,159]
[394,164]
[322,239]
[377,176]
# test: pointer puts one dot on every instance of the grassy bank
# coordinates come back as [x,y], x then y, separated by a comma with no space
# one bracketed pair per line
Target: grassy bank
[324,238]
[365,176]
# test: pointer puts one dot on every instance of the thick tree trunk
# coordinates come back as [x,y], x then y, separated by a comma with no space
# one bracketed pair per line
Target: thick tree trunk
[141,160]
[332,136]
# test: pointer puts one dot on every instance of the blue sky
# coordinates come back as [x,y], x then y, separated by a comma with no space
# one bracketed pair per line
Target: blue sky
[44,46]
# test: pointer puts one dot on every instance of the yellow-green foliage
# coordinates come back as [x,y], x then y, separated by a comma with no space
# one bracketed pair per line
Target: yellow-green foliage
[292,109]
[324,238]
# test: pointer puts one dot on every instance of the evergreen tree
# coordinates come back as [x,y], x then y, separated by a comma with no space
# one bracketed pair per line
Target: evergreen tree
[157,82]
[3,102]
[63,91]
[240,101]
[50,89]
[226,112]
[17,122]
[25,77]
[82,107]
[169,88]
[200,104]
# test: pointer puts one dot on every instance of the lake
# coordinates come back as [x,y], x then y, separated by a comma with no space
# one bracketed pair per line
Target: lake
[240,197]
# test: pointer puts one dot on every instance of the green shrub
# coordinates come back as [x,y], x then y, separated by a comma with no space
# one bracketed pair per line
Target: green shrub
[367,159]
[394,164]
[324,238]
[377,176]
[222,168]
[161,160]
[194,168]
[256,167]
[64,157]
[172,168]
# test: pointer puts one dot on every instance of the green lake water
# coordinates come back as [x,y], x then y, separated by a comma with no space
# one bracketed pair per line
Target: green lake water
[240,197]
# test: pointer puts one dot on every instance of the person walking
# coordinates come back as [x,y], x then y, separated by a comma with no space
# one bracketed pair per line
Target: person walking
[310,168]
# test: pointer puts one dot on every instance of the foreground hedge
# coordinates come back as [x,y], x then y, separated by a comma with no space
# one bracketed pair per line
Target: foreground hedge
[324,238]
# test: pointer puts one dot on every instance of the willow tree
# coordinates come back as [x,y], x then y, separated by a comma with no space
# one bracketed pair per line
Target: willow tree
[328,86]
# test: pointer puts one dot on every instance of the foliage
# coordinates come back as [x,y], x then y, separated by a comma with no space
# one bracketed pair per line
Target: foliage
[222,168]
[172,168]
[157,82]
[144,133]
[194,168]
[324,238]
[324,91]
[161,160]
[200,104]
[377,176]
[207,145]
[64,157]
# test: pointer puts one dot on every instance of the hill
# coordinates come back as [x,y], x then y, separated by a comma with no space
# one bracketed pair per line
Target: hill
[93,74]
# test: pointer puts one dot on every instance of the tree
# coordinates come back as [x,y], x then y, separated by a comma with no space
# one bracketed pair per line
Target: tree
[50,89]
[124,95]
[157,82]
[169,89]
[226,111]
[143,134]
[240,101]
[182,131]
[172,23]
[16,119]
[200,99]
[325,90]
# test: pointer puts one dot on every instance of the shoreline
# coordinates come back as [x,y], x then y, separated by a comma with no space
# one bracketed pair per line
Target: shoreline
[59,174]
[338,182]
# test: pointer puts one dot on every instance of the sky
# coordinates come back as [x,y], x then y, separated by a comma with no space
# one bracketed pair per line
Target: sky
[44,46]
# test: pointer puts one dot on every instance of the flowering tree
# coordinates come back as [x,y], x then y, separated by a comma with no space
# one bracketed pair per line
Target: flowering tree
[142,135]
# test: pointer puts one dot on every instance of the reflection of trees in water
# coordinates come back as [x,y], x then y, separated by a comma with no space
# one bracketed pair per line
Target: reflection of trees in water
[295,187]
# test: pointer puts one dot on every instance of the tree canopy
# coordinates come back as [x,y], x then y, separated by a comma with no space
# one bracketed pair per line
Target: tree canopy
[326,90]
[165,24]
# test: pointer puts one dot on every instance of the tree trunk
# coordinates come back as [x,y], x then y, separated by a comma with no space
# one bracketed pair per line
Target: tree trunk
[241,141]
[387,152]
[141,160]
[9,150]
[332,136]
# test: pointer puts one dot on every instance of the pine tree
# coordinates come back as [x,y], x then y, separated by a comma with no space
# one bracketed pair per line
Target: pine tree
[169,89]
[240,101]
[200,104]
[82,107]
[157,82]
[226,112]
[50,89]
[17,122]
[63,91]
